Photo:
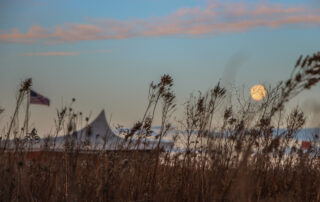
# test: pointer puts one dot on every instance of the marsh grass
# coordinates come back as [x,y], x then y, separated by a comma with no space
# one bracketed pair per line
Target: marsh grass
[241,158]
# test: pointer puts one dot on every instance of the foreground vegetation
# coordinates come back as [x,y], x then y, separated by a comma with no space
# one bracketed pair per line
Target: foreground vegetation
[231,152]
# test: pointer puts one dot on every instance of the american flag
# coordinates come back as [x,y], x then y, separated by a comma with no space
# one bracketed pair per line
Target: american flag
[36,98]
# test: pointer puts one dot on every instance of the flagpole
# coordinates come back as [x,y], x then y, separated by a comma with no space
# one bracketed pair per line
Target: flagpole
[27,113]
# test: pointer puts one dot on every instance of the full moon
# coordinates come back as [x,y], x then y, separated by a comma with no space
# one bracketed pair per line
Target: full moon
[258,92]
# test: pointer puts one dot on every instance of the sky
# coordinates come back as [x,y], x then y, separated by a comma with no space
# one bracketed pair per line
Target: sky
[105,53]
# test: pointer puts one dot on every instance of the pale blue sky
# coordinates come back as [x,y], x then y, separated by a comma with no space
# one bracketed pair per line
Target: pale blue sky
[112,50]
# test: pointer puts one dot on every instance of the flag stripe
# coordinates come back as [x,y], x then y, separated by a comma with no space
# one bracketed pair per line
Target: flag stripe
[36,98]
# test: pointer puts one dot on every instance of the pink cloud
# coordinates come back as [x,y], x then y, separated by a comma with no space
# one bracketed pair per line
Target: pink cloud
[35,32]
[51,54]
[278,9]
[64,53]
[215,18]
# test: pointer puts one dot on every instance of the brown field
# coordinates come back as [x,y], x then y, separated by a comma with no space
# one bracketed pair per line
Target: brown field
[252,164]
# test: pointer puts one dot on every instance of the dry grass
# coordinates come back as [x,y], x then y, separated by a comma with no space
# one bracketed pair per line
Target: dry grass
[239,159]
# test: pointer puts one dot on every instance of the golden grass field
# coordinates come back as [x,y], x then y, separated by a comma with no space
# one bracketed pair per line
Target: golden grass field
[252,165]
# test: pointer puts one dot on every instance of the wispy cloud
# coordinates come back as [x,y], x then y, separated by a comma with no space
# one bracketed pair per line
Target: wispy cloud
[51,54]
[214,18]
[64,53]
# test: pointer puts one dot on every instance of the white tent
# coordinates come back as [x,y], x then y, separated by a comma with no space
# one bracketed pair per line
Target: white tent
[99,135]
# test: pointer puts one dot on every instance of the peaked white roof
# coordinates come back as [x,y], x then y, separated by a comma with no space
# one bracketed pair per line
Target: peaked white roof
[101,136]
